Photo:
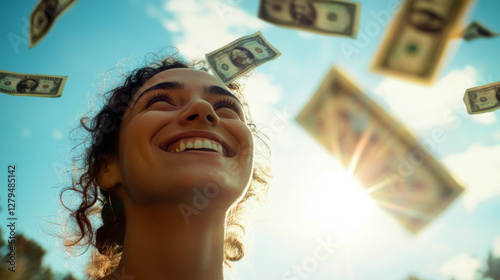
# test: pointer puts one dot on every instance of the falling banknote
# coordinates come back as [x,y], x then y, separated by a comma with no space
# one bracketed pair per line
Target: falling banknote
[482,99]
[476,30]
[398,173]
[331,17]
[239,57]
[43,17]
[414,45]
[31,85]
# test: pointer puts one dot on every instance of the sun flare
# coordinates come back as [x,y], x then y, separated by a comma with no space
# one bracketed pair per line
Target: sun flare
[339,203]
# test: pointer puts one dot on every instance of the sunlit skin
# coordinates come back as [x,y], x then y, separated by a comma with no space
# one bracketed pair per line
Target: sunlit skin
[152,181]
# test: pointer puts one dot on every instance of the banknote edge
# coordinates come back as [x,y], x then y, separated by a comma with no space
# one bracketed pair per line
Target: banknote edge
[231,45]
[35,42]
[376,63]
[58,94]
[469,102]
[409,140]
[355,26]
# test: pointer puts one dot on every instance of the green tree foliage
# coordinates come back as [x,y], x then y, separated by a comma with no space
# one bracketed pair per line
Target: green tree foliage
[29,256]
[493,267]
[69,277]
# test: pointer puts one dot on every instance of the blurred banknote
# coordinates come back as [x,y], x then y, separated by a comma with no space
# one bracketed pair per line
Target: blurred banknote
[241,56]
[31,85]
[43,17]
[482,99]
[331,17]
[417,38]
[398,173]
[476,30]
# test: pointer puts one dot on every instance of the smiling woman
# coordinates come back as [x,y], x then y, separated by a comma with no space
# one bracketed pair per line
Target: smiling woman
[169,164]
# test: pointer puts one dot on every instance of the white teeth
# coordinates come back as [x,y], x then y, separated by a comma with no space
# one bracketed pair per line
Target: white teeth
[198,144]
[207,144]
[214,146]
[191,143]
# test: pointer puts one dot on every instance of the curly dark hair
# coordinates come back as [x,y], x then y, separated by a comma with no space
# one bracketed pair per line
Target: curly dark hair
[102,132]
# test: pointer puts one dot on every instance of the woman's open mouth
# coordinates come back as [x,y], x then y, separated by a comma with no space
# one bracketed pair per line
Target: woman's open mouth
[195,143]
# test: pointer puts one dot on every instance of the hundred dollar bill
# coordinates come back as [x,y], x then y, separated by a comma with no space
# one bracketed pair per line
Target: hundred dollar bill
[482,99]
[414,45]
[241,56]
[397,172]
[43,17]
[476,30]
[331,17]
[31,85]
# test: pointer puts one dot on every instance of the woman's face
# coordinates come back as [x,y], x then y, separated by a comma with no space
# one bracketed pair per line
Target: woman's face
[182,130]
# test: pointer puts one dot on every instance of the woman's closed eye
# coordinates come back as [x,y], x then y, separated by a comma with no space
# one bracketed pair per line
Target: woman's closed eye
[227,104]
[159,97]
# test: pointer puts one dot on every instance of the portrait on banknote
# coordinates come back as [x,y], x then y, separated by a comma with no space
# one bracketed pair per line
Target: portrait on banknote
[27,85]
[425,19]
[241,57]
[303,12]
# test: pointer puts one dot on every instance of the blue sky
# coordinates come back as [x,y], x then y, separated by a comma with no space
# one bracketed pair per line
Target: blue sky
[92,38]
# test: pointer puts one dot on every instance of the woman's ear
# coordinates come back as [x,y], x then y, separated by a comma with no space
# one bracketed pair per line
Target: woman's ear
[109,173]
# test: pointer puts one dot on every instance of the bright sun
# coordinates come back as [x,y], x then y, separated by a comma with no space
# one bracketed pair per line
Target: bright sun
[339,203]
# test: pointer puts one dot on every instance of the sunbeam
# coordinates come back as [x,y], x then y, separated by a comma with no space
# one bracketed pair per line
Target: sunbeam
[339,203]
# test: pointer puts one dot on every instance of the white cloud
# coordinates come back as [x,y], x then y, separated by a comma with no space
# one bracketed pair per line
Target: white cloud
[461,267]
[152,11]
[496,247]
[475,169]
[171,26]
[26,132]
[260,92]
[57,134]
[423,107]
[207,25]
[305,35]
[496,135]
[487,118]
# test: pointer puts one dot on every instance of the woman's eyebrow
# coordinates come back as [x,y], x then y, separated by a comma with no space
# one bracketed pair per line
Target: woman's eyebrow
[164,85]
[219,91]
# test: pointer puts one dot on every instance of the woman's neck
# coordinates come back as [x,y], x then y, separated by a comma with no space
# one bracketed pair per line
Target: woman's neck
[160,243]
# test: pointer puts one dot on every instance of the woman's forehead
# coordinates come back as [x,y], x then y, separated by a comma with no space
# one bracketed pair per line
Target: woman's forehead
[184,76]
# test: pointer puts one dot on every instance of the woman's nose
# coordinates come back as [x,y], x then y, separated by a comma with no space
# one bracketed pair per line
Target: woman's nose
[200,111]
